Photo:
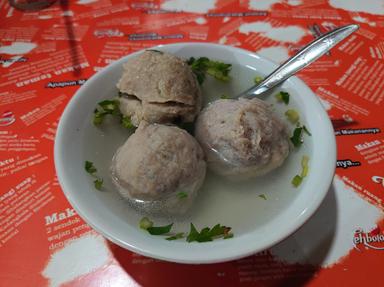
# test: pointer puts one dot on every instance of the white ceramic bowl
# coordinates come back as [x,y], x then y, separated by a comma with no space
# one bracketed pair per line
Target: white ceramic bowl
[257,224]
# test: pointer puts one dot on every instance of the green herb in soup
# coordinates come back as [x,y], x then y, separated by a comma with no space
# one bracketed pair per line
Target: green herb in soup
[298,179]
[263,196]
[207,234]
[283,97]
[110,107]
[297,138]
[306,131]
[127,123]
[160,230]
[258,79]
[292,116]
[98,183]
[91,169]
[145,223]
[202,66]
[228,236]
[176,236]
[182,195]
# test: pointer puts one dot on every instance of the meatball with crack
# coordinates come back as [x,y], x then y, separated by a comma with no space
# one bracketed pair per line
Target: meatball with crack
[242,138]
[159,88]
[160,168]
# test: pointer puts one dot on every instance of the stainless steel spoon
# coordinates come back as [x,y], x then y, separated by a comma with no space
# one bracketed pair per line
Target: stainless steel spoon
[303,58]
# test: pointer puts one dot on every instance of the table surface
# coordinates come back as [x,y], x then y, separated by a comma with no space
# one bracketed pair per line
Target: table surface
[46,55]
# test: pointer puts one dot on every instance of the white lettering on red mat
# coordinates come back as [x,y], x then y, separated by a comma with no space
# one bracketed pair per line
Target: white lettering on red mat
[371,240]
[366,145]
[327,236]
[6,161]
[24,182]
[79,257]
[56,217]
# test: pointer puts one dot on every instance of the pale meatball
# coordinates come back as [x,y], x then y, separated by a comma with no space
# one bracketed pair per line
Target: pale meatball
[242,138]
[159,167]
[159,88]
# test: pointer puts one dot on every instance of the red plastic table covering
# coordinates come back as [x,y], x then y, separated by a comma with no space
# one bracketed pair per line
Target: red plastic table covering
[46,55]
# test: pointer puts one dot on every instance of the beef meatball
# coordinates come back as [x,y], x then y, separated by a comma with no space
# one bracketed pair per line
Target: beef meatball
[159,88]
[242,138]
[160,167]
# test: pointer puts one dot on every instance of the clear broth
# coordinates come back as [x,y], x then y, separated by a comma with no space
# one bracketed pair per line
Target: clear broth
[235,204]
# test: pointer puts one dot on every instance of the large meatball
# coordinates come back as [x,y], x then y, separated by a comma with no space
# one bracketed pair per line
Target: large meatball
[160,167]
[159,88]
[242,138]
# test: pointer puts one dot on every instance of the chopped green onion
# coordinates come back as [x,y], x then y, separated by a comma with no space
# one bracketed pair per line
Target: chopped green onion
[182,195]
[98,117]
[145,223]
[218,74]
[193,234]
[263,196]
[203,236]
[198,68]
[293,116]
[200,76]
[296,138]
[306,131]
[258,79]
[110,106]
[304,166]
[159,230]
[126,122]
[228,236]
[98,183]
[207,234]
[176,236]
[296,181]
[89,167]
[217,230]
[283,97]
[216,69]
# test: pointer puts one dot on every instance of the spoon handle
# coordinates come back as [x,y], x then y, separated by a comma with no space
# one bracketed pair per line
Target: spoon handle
[303,58]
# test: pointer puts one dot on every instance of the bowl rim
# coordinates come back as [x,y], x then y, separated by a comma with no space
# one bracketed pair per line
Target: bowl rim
[227,254]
